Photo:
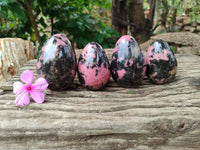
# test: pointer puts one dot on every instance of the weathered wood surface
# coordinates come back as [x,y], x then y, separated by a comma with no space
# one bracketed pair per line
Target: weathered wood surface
[14,52]
[144,117]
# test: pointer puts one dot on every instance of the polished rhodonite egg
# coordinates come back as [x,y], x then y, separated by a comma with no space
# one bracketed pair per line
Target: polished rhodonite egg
[127,65]
[93,67]
[161,62]
[57,62]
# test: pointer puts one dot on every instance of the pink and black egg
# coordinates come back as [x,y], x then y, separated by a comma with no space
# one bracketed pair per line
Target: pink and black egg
[161,62]
[93,67]
[127,65]
[57,62]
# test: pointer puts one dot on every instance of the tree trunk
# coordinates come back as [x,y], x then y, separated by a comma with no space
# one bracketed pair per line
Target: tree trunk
[164,14]
[137,20]
[52,25]
[151,12]
[119,16]
[123,13]
[174,19]
[32,18]
[2,20]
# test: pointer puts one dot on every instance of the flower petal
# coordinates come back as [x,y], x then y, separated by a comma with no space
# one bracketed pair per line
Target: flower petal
[40,84]
[27,77]
[22,99]
[18,87]
[37,96]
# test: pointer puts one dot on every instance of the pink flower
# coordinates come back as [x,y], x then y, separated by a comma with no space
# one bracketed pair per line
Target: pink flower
[22,90]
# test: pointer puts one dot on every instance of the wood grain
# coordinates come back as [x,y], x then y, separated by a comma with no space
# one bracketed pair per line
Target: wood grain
[143,117]
[14,52]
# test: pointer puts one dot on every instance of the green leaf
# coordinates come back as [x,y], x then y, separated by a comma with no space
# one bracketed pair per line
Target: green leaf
[17,11]
[130,92]
[4,15]
[99,24]
[41,21]
[4,2]
[80,19]
[99,37]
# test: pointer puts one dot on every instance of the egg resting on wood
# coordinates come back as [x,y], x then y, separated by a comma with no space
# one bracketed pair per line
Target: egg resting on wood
[127,65]
[93,67]
[161,62]
[57,62]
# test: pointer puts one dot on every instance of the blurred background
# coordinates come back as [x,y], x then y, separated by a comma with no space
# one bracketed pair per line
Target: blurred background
[103,21]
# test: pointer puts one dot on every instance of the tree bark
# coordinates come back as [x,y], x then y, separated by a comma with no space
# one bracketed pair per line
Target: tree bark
[123,13]
[51,25]
[164,13]
[119,16]
[137,20]
[32,18]
[174,19]
[151,12]
[2,20]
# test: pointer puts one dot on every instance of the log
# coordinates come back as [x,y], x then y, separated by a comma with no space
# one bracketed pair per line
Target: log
[177,39]
[144,117]
[14,52]
[182,39]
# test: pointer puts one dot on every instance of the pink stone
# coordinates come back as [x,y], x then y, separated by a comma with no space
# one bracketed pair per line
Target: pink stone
[121,73]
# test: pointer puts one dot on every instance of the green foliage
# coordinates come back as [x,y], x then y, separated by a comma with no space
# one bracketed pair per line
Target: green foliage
[72,17]
[167,9]
[195,13]
[145,5]
[16,21]
[174,49]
